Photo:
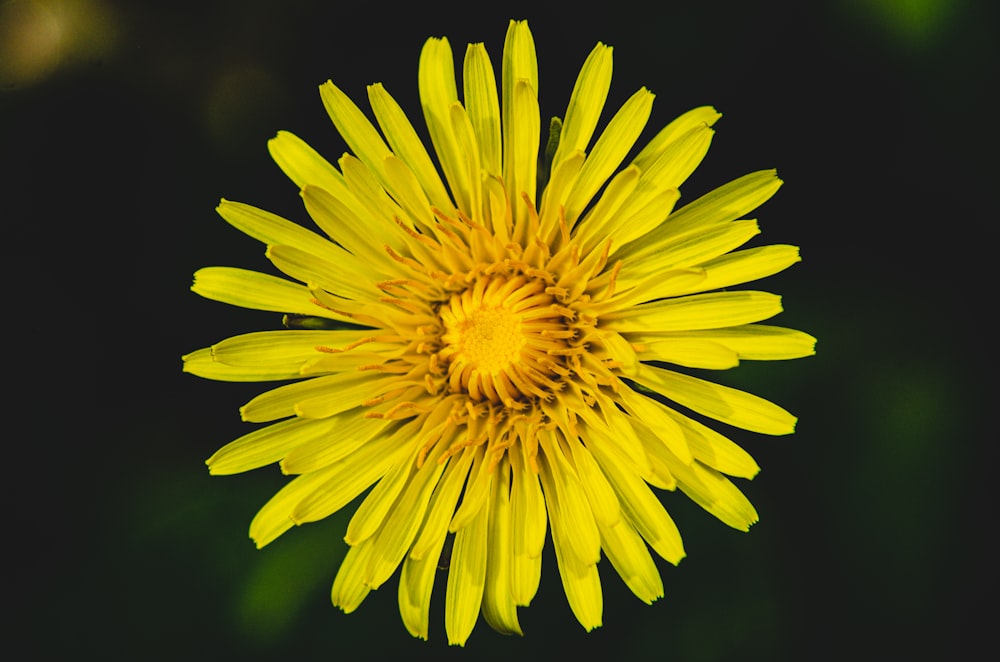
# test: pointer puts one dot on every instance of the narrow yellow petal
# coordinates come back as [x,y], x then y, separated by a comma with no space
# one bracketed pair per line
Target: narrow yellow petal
[342,274]
[571,509]
[726,203]
[466,579]
[690,353]
[699,311]
[379,207]
[403,523]
[252,289]
[654,417]
[362,238]
[344,433]
[552,207]
[758,342]
[372,511]
[356,130]
[483,105]
[272,229]
[266,445]
[580,579]
[347,478]
[520,124]
[677,251]
[717,495]
[313,397]
[416,582]
[438,91]
[520,166]
[641,506]
[600,495]
[203,363]
[592,229]
[442,508]
[746,266]
[722,403]
[286,347]
[631,559]
[585,103]
[715,450]
[349,588]
[467,165]
[407,145]
[476,493]
[302,164]
[609,151]
[408,192]
[530,526]
[275,517]
[499,607]
[695,118]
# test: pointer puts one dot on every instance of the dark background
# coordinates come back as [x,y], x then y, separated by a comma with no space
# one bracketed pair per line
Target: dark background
[123,123]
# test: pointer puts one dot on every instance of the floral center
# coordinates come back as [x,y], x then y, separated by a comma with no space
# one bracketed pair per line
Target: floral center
[503,340]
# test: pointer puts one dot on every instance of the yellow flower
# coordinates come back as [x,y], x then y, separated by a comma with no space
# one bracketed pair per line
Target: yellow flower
[488,362]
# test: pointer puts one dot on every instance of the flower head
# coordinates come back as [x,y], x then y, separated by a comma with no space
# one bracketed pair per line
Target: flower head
[488,363]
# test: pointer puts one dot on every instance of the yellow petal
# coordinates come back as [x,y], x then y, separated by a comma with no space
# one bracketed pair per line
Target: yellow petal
[405,518]
[407,145]
[697,117]
[344,433]
[654,417]
[203,363]
[580,579]
[272,229]
[677,251]
[758,342]
[341,275]
[302,164]
[641,506]
[722,403]
[275,517]
[416,582]
[699,311]
[689,352]
[266,445]
[717,494]
[520,124]
[726,203]
[569,508]
[356,130]
[631,559]
[609,151]
[345,479]
[349,588]
[466,579]
[592,229]
[442,507]
[528,513]
[499,608]
[252,289]
[714,450]
[746,266]
[361,238]
[481,101]
[585,103]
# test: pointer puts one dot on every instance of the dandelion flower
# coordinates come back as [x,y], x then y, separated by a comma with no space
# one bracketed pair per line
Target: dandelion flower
[484,360]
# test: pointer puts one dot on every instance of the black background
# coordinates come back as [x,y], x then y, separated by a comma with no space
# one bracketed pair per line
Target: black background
[876,516]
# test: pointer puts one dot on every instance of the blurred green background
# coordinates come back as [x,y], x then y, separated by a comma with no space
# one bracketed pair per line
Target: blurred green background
[123,123]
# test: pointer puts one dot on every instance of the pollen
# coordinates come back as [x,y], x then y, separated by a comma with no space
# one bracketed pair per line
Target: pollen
[490,338]
[498,341]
